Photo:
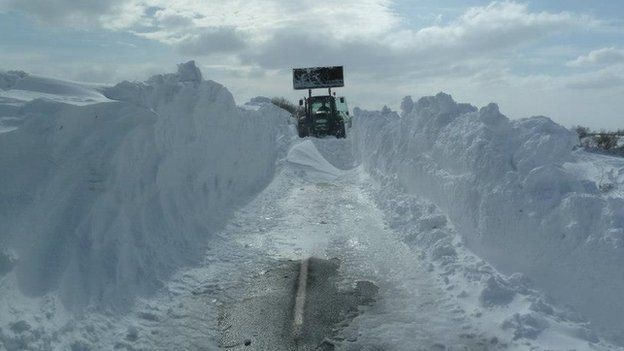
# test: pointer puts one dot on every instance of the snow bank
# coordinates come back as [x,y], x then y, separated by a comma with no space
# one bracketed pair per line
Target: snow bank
[505,312]
[17,87]
[510,191]
[310,164]
[103,202]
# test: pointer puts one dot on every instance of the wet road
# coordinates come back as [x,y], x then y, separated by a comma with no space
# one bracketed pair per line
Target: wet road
[282,311]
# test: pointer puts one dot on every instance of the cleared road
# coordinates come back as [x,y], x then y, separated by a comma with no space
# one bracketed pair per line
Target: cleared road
[283,312]
[365,289]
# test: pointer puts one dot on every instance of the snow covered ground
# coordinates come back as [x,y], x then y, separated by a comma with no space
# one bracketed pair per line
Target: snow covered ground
[19,88]
[126,222]
[516,192]
[103,202]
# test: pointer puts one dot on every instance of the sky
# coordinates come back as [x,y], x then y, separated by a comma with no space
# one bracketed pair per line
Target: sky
[560,58]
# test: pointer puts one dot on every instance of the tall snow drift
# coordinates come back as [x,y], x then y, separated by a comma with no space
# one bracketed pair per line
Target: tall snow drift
[508,188]
[103,202]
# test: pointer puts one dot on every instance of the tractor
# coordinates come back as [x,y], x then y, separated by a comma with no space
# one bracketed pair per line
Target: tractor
[322,115]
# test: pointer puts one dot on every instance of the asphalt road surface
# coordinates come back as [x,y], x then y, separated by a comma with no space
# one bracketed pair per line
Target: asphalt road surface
[266,319]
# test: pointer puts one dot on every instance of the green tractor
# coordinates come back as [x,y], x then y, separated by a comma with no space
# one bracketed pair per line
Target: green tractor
[322,115]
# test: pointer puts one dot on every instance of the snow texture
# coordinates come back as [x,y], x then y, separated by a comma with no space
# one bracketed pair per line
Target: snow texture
[17,87]
[118,229]
[516,192]
[101,203]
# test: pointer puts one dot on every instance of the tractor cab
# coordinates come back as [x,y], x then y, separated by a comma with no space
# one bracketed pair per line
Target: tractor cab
[323,105]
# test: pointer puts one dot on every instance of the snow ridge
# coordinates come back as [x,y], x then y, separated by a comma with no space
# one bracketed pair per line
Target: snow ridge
[101,203]
[504,186]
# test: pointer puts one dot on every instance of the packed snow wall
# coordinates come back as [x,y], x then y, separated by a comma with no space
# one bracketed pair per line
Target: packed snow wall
[510,189]
[103,202]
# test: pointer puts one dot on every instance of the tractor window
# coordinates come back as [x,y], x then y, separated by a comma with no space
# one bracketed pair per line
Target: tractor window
[341,105]
[321,107]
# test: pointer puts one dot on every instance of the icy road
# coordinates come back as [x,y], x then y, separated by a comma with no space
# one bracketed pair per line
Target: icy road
[315,210]
[365,289]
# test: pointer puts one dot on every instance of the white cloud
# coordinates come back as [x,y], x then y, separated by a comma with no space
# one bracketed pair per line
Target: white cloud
[68,12]
[169,18]
[605,78]
[364,26]
[497,25]
[282,33]
[600,57]
[169,21]
[481,33]
[212,41]
[606,70]
[473,55]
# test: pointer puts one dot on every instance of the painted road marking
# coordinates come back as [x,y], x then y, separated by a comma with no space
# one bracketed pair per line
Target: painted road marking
[300,298]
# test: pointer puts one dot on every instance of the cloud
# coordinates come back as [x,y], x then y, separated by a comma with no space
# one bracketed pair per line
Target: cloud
[481,36]
[85,13]
[499,51]
[607,73]
[168,18]
[212,41]
[495,26]
[477,53]
[364,34]
[601,57]
[598,82]
[246,39]
[607,78]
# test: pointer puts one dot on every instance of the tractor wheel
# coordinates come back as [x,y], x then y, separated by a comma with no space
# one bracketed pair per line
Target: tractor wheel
[303,130]
[341,133]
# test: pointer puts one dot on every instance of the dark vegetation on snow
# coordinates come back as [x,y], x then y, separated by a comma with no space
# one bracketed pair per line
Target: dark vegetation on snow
[603,141]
